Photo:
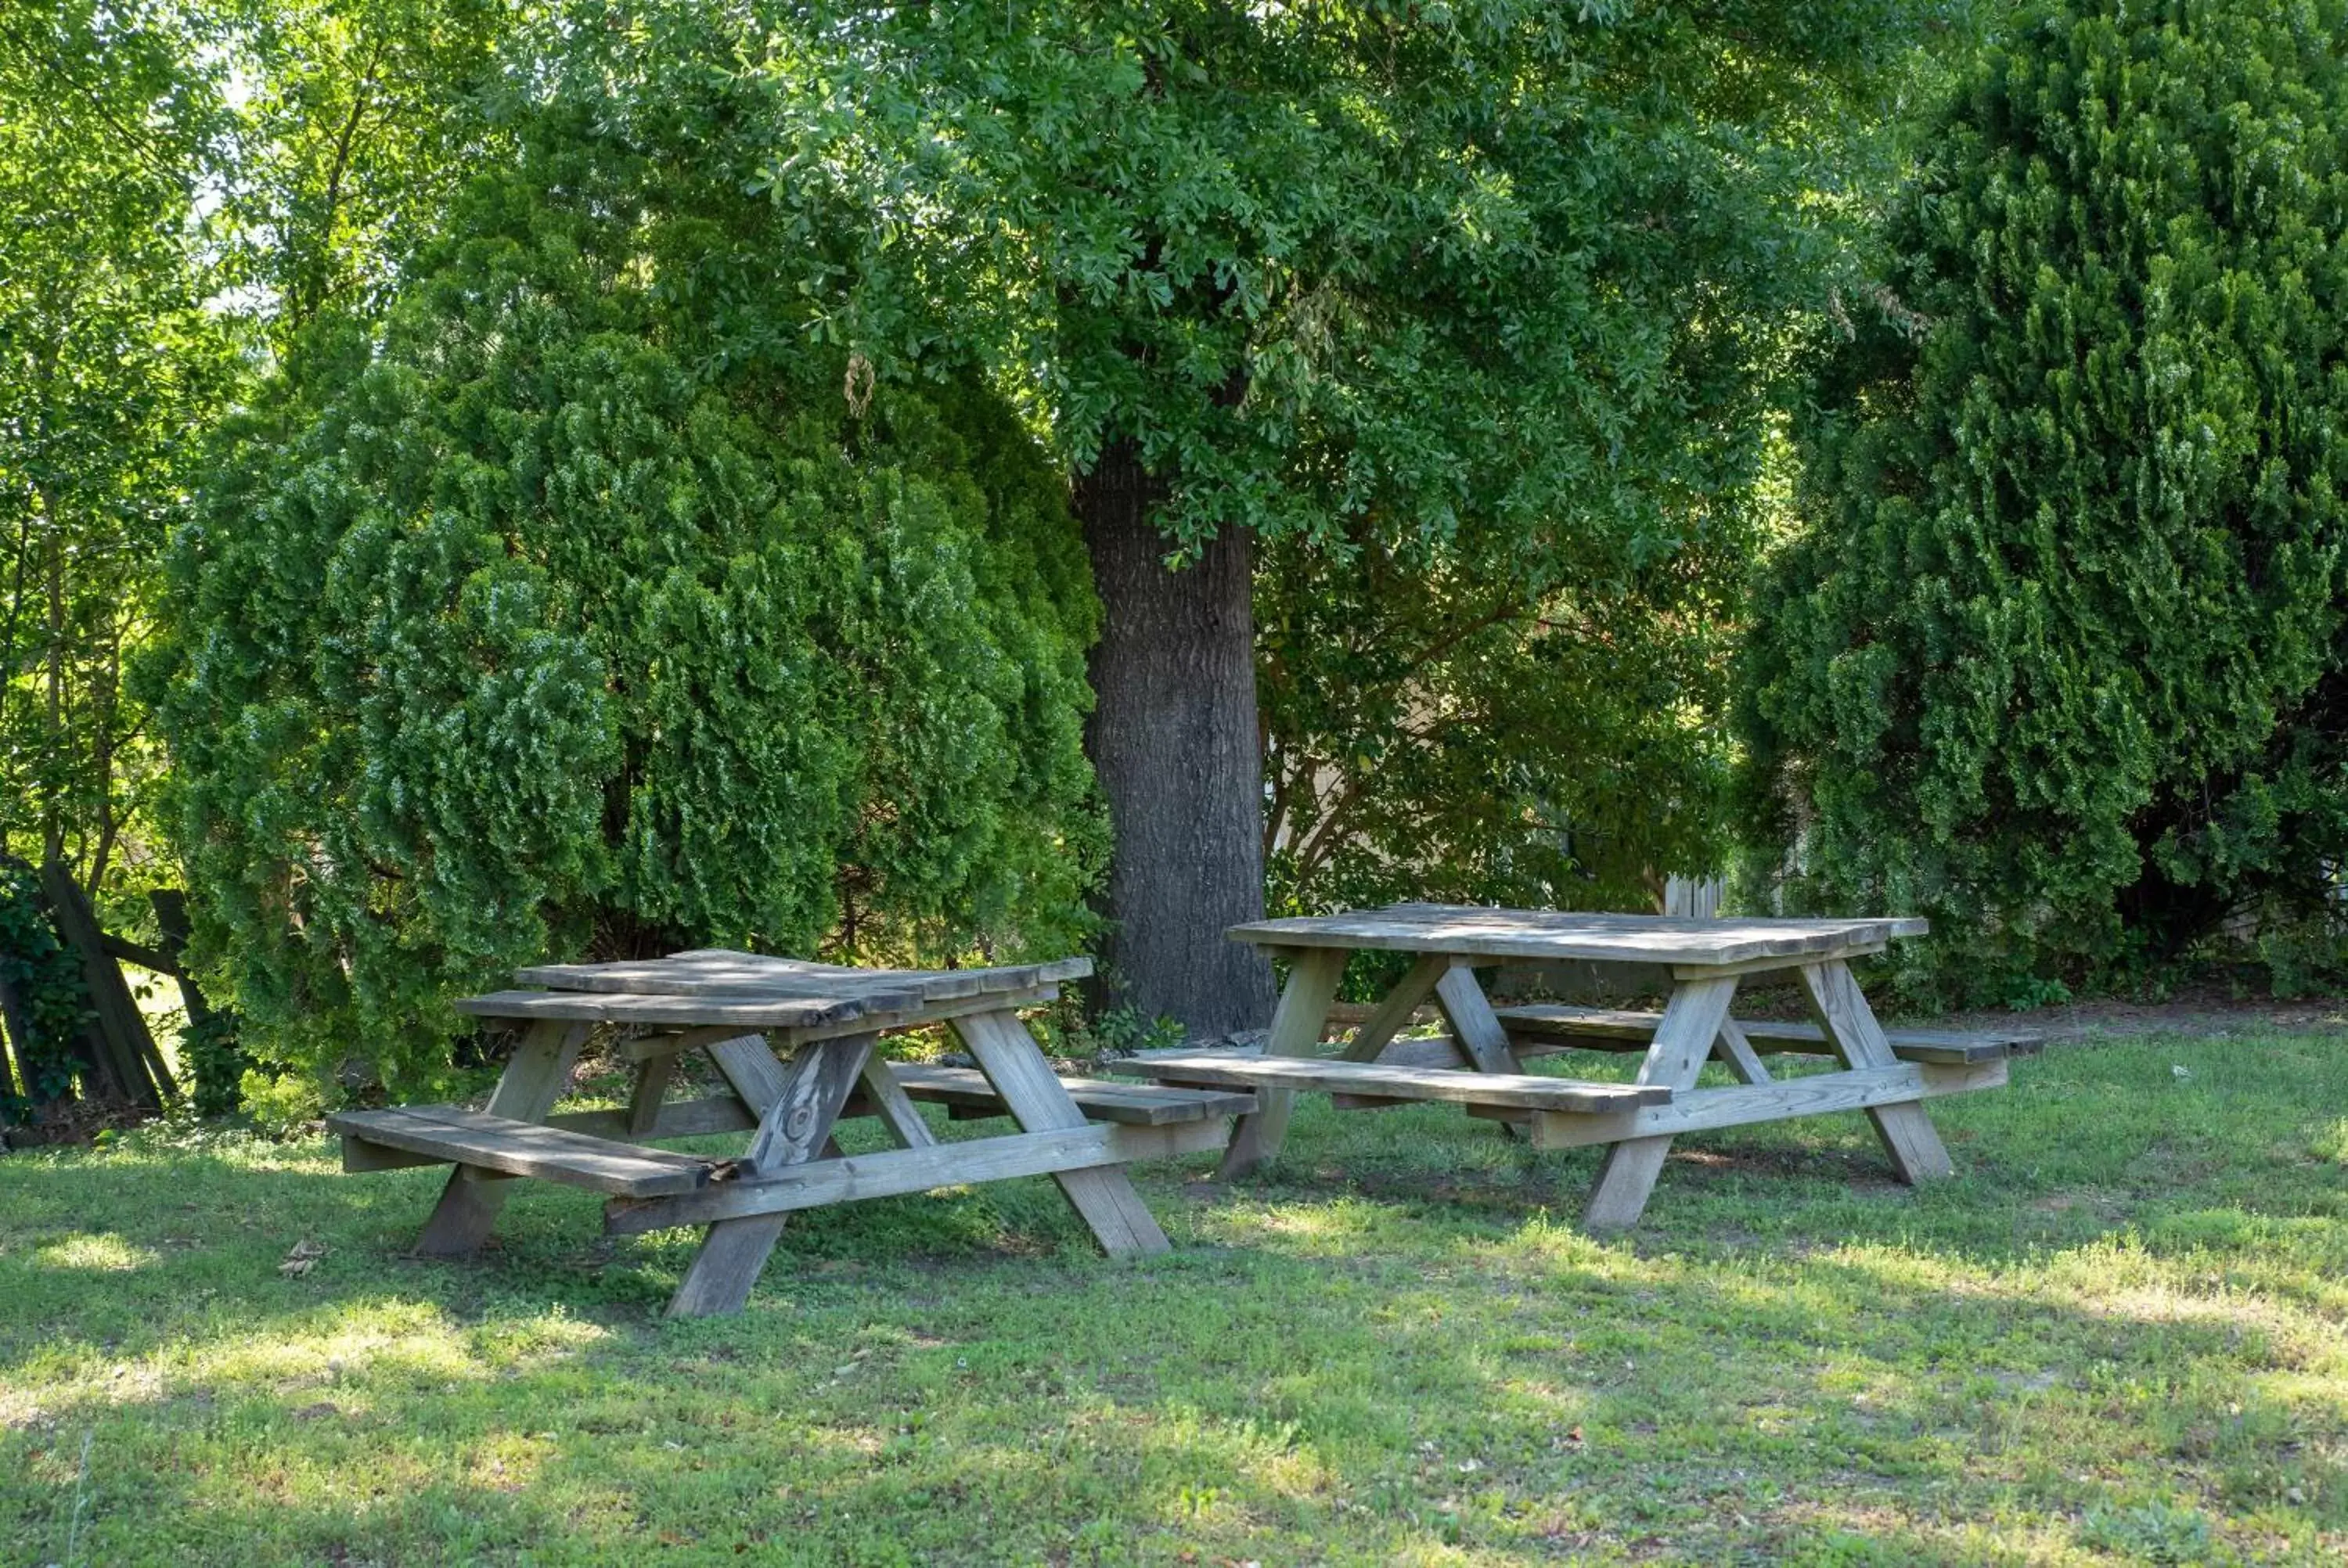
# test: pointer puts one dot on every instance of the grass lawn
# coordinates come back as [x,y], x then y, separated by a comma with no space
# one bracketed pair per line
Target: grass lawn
[2120,1335]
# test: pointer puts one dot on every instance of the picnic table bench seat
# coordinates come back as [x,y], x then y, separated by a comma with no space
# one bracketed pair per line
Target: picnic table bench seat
[1537,1027]
[1364,1084]
[452,1135]
[602,1150]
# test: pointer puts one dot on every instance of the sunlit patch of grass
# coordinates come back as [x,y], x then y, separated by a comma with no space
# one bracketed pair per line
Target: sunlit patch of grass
[2121,1335]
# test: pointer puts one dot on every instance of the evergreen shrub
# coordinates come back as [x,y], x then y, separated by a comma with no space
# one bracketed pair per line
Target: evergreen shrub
[586,604]
[2057,656]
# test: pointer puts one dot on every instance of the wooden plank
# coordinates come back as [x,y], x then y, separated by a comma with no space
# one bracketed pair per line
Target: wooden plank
[675,1012]
[529,1148]
[965,1088]
[1705,1110]
[886,1095]
[1103,1197]
[1737,1050]
[815,1086]
[534,1079]
[678,1119]
[1626,1176]
[1062,1152]
[132,1055]
[1600,1029]
[1905,1131]
[139,953]
[1298,1023]
[650,1092]
[1773,964]
[644,1047]
[797,1107]
[1474,1031]
[716,972]
[1326,1074]
[1393,1014]
[1555,934]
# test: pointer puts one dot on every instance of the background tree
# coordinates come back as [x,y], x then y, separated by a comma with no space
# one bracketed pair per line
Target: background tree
[579,605]
[2059,656]
[1365,274]
[109,366]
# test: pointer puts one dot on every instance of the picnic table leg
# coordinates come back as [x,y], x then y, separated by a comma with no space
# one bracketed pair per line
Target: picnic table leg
[796,1106]
[1907,1134]
[534,1079]
[1684,1039]
[1102,1195]
[1296,1028]
[1387,1019]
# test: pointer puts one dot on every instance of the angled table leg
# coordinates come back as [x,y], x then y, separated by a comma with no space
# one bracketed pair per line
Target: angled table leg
[1102,1195]
[1296,1028]
[800,1103]
[534,1079]
[1684,1039]
[1387,1019]
[1906,1133]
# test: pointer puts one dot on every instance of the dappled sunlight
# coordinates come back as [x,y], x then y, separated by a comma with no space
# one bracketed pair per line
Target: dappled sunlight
[95,1252]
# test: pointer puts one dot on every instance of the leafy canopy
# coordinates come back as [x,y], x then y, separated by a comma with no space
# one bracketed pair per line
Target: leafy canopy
[575,609]
[2060,657]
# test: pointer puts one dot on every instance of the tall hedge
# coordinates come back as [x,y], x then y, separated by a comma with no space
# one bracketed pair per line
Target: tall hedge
[587,605]
[2058,656]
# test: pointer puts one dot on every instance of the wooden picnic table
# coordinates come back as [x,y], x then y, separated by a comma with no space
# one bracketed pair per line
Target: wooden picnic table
[793,1043]
[1703,960]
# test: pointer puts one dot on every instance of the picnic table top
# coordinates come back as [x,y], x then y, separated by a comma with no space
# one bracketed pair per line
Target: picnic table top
[1558,934]
[755,991]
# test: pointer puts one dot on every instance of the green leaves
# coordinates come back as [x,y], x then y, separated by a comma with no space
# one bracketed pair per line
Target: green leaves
[2060,660]
[572,611]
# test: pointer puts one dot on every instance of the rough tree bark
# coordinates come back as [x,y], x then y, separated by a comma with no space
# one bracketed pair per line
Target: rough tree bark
[1173,741]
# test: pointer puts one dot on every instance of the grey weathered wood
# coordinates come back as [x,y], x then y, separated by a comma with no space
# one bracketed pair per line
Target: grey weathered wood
[1393,1013]
[644,1047]
[797,1107]
[1298,1022]
[448,1132]
[1776,964]
[1734,1049]
[1705,1110]
[717,973]
[967,1090]
[1379,1080]
[678,1119]
[815,1085]
[1602,1029]
[1682,1041]
[886,1096]
[1905,1131]
[1103,1196]
[1554,933]
[1066,1150]
[534,1079]
[651,1091]
[676,1012]
[1478,1033]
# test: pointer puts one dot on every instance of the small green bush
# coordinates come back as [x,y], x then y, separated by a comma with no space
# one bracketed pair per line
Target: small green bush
[2058,658]
[574,609]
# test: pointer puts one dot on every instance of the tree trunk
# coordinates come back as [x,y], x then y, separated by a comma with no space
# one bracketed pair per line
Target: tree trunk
[1173,741]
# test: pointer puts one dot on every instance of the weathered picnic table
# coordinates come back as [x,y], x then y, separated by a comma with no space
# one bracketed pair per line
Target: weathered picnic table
[1479,1065]
[793,1043]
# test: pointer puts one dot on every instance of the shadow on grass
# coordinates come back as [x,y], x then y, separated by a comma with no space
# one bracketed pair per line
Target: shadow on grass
[1391,1351]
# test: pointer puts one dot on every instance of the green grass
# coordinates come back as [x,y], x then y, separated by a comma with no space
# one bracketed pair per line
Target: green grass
[2120,1335]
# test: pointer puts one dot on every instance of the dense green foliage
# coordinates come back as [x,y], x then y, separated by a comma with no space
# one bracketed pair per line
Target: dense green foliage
[1539,732]
[110,365]
[49,999]
[575,608]
[1471,312]
[2059,658]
